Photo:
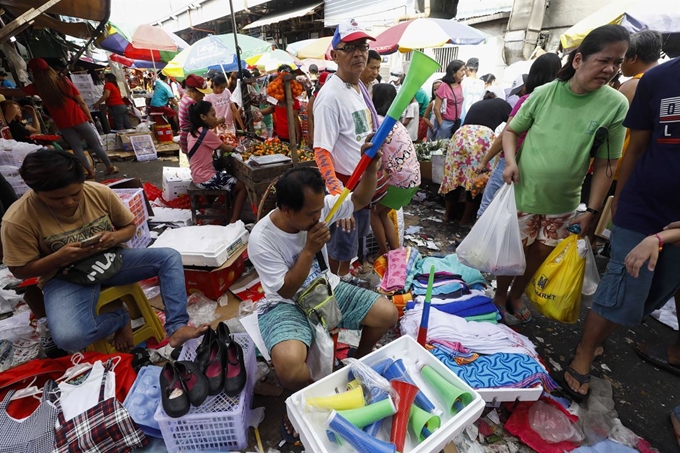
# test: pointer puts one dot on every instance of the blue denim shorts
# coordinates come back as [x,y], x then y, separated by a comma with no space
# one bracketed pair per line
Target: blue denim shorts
[287,322]
[626,300]
[345,246]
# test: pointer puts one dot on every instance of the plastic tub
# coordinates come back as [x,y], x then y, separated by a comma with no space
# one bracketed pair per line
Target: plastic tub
[311,427]
[163,133]
[221,422]
[143,400]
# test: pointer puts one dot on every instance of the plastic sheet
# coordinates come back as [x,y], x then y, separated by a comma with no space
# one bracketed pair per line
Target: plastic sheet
[375,386]
[320,356]
[201,309]
[597,414]
[552,425]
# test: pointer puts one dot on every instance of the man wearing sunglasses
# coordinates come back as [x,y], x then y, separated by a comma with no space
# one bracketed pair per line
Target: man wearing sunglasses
[343,117]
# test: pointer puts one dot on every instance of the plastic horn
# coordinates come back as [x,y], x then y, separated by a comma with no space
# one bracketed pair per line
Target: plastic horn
[422,67]
[425,319]
[379,368]
[342,401]
[407,393]
[367,415]
[454,398]
[358,439]
[423,423]
[398,371]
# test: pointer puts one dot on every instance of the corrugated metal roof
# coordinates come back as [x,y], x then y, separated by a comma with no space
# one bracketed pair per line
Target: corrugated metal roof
[478,8]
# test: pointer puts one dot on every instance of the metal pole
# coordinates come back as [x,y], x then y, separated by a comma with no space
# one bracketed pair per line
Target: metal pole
[244,89]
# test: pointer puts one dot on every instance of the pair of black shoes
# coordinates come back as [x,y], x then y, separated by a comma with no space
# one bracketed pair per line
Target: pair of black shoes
[182,385]
[221,360]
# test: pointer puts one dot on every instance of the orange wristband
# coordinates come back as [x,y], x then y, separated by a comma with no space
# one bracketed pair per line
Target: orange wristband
[660,241]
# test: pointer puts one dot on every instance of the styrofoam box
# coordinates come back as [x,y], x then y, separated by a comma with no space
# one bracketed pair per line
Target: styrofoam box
[221,422]
[176,182]
[204,245]
[311,427]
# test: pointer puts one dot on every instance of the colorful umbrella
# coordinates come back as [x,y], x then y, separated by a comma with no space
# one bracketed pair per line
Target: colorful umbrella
[250,47]
[320,64]
[662,16]
[202,56]
[272,60]
[311,48]
[119,43]
[422,33]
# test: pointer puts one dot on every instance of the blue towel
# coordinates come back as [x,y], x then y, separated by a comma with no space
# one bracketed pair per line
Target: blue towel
[473,306]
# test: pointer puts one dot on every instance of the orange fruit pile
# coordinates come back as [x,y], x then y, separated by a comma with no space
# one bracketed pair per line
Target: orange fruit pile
[277,91]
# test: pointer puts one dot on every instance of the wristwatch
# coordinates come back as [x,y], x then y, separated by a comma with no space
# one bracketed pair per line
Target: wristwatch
[592,211]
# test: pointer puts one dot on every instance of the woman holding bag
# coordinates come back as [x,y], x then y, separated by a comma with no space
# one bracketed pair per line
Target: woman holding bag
[448,104]
[68,110]
[569,121]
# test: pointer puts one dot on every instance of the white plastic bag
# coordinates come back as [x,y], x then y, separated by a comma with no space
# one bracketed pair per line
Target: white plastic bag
[320,356]
[552,425]
[494,245]
[591,277]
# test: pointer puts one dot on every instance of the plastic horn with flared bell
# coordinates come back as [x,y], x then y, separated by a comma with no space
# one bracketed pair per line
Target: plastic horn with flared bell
[358,439]
[341,401]
[423,423]
[454,398]
[398,371]
[366,415]
[379,368]
[425,318]
[422,67]
[407,393]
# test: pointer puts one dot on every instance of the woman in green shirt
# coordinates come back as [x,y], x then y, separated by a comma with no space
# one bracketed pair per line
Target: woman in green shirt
[568,122]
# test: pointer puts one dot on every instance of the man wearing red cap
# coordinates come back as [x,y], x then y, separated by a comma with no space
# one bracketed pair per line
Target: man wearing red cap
[196,89]
[343,117]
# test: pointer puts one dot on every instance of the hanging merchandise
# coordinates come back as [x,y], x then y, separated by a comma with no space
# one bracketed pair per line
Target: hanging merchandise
[106,427]
[555,289]
[494,244]
[34,434]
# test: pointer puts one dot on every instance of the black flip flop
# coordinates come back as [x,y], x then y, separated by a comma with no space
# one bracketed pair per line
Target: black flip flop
[288,437]
[581,378]
[657,355]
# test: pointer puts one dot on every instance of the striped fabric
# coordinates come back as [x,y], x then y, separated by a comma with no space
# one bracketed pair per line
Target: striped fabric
[34,434]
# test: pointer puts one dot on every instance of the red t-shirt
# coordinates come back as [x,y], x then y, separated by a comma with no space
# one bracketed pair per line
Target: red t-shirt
[69,114]
[281,119]
[114,95]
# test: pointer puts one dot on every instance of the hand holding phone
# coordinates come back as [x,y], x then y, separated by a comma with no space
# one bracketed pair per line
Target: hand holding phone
[89,242]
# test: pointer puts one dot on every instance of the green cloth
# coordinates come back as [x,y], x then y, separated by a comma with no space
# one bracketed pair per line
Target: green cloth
[423,101]
[489,317]
[555,156]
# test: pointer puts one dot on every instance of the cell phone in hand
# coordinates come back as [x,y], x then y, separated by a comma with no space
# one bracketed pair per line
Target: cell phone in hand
[90,241]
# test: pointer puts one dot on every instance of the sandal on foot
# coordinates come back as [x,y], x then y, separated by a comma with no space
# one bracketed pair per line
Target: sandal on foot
[290,438]
[508,319]
[113,171]
[657,355]
[580,378]
[521,311]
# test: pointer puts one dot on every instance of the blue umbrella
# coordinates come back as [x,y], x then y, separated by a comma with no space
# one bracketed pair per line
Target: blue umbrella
[204,55]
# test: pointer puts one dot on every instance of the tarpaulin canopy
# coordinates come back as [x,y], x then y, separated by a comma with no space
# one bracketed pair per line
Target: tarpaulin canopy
[85,9]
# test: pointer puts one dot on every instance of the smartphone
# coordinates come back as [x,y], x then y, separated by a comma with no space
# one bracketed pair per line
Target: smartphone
[90,241]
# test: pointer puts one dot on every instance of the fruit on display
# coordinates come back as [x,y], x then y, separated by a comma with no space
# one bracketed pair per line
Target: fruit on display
[275,146]
[277,91]
[229,138]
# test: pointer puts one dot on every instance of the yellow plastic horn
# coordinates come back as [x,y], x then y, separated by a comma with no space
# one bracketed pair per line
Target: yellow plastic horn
[341,401]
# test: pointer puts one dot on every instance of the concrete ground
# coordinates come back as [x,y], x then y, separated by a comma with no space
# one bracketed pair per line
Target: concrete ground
[644,395]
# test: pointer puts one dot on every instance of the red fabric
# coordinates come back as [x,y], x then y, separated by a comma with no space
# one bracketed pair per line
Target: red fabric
[44,369]
[281,119]
[165,110]
[422,129]
[114,95]
[69,114]
[518,425]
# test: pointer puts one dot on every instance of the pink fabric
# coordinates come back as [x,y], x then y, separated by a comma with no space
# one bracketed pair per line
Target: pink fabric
[400,158]
[201,163]
[222,104]
[395,276]
[455,345]
[454,101]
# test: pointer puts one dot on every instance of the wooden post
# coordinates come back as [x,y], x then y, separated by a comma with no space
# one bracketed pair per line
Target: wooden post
[291,118]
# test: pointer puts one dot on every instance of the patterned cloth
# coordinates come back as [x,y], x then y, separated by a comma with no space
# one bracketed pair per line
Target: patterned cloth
[546,229]
[498,370]
[466,149]
[106,427]
[456,351]
[34,434]
[400,160]
[221,181]
[395,277]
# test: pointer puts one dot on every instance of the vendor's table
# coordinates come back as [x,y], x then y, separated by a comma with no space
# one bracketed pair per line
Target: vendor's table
[257,179]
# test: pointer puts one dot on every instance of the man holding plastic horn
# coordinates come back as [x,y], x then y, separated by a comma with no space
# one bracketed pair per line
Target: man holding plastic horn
[343,117]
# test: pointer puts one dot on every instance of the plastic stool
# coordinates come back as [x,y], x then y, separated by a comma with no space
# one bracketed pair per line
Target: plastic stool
[196,196]
[138,306]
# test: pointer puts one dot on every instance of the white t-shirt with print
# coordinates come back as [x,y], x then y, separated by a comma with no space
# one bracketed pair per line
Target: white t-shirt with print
[274,252]
[412,112]
[222,104]
[341,123]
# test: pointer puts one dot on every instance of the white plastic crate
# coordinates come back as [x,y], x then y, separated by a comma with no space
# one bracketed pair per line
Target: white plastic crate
[143,147]
[221,422]
[142,237]
[311,427]
[135,202]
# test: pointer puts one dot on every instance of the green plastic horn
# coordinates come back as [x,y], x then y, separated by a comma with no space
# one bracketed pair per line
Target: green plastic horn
[423,423]
[366,415]
[454,398]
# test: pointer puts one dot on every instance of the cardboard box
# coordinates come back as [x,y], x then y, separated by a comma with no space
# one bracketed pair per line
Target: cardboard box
[134,200]
[176,182]
[124,139]
[141,239]
[214,282]
[604,226]
[132,183]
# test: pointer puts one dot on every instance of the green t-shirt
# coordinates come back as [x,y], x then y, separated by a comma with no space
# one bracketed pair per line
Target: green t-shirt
[555,156]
